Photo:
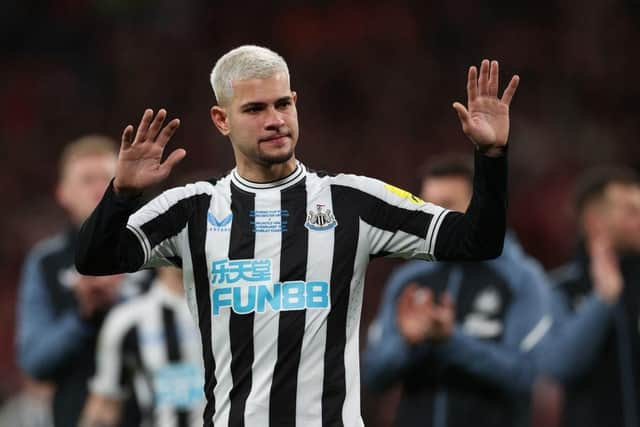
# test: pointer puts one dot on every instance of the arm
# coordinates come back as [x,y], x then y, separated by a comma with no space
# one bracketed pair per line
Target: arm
[106,246]
[577,337]
[479,233]
[512,364]
[388,354]
[45,342]
[580,335]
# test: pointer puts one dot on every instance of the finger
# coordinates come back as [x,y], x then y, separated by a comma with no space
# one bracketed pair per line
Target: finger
[405,300]
[483,81]
[422,296]
[463,113]
[472,83]
[427,303]
[446,300]
[126,137]
[507,96]
[493,78]
[143,127]
[168,132]
[156,125]
[174,158]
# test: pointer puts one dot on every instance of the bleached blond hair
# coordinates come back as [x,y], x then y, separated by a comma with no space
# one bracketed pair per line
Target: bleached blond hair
[244,63]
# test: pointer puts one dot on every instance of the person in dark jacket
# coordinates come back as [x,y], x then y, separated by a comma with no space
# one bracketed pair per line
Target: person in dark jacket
[59,310]
[606,390]
[483,367]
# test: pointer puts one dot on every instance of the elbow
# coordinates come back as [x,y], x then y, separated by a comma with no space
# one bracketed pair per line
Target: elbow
[494,251]
[34,365]
[486,251]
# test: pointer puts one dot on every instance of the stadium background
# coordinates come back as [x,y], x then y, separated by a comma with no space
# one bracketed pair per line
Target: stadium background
[375,80]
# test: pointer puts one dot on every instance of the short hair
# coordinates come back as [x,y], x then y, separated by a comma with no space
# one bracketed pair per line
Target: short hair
[244,63]
[88,145]
[446,166]
[593,184]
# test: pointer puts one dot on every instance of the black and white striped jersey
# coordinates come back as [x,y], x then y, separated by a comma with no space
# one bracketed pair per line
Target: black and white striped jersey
[274,276]
[150,345]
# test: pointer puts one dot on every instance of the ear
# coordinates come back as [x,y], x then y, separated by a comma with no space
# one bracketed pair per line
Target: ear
[294,96]
[61,194]
[219,118]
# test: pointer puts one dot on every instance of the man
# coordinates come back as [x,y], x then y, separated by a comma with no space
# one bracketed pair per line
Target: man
[478,361]
[149,346]
[605,272]
[60,311]
[274,255]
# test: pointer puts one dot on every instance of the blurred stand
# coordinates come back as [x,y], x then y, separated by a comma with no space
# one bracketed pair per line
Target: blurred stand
[31,407]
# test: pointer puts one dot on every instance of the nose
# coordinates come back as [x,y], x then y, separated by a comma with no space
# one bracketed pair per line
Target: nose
[274,120]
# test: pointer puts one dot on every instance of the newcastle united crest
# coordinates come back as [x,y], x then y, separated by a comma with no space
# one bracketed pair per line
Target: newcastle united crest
[321,219]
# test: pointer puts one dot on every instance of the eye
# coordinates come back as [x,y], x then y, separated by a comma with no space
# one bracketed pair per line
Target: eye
[282,105]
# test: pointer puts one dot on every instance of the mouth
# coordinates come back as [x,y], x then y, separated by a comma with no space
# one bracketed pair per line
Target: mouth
[274,139]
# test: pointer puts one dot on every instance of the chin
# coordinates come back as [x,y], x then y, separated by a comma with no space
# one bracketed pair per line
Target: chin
[274,159]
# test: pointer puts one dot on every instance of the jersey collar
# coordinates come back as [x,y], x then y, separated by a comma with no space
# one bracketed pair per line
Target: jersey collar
[293,178]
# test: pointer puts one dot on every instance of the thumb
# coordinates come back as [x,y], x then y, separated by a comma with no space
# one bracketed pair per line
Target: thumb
[463,114]
[174,158]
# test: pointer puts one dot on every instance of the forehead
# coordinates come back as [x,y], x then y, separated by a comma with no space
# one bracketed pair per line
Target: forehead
[85,162]
[623,192]
[261,90]
[446,183]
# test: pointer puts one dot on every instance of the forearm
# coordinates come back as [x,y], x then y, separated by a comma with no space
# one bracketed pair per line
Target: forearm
[386,360]
[479,233]
[105,245]
[509,369]
[577,340]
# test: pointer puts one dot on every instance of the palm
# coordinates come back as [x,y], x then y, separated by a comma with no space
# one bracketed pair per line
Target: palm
[140,160]
[486,120]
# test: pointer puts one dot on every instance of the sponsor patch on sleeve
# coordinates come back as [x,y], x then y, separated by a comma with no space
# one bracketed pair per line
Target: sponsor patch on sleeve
[404,194]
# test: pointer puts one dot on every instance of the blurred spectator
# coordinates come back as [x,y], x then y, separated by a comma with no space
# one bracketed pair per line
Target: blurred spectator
[60,311]
[604,272]
[483,368]
[150,347]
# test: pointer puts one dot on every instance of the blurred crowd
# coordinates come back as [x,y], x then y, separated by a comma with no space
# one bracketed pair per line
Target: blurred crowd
[375,81]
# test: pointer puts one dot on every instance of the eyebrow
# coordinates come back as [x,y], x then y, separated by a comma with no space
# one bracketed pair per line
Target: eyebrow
[262,104]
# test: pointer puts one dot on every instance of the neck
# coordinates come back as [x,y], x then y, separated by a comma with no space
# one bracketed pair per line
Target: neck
[256,172]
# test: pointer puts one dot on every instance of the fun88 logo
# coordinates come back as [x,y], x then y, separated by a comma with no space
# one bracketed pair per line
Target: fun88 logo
[246,285]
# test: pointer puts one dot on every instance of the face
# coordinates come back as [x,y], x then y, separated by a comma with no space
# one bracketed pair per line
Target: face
[83,183]
[451,192]
[261,121]
[622,216]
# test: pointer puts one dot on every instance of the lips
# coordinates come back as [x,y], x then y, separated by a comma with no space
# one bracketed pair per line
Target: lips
[275,139]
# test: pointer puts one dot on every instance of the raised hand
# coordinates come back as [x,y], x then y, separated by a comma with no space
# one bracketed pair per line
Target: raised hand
[140,160]
[605,270]
[486,118]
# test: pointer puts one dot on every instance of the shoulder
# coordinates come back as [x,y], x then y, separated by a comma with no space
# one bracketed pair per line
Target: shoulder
[518,268]
[49,245]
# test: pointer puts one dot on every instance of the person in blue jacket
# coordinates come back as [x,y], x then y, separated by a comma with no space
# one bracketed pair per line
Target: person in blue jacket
[60,311]
[468,340]
[605,388]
